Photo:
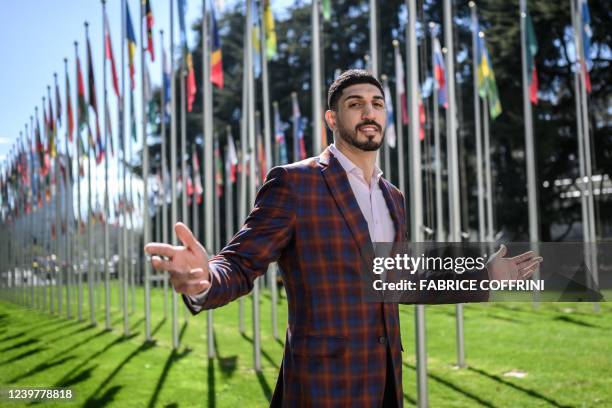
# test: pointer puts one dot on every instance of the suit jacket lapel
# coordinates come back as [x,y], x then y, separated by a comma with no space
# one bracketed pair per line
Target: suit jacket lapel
[341,190]
[394,210]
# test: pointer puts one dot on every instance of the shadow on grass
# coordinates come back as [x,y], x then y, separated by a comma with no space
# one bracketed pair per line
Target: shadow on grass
[577,322]
[12,337]
[264,385]
[143,347]
[226,364]
[105,399]
[23,355]
[455,388]
[212,401]
[24,343]
[40,368]
[527,391]
[172,358]
[263,352]
[93,356]
[159,326]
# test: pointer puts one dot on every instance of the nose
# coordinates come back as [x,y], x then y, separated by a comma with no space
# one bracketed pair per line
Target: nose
[368,111]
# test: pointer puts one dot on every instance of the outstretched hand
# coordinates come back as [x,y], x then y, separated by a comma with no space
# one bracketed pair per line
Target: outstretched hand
[187,264]
[519,267]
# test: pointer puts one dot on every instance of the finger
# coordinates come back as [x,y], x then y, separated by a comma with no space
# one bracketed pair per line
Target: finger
[156,248]
[530,267]
[503,250]
[161,264]
[185,235]
[528,262]
[523,257]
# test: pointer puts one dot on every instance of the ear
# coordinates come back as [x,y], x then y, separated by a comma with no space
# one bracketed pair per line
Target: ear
[330,119]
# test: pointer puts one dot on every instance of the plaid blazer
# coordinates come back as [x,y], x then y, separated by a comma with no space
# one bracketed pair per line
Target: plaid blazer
[306,217]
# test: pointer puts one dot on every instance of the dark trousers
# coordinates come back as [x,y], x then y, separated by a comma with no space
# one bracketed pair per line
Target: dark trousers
[390,397]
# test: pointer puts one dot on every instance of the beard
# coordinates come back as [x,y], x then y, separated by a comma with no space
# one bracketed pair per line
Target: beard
[368,145]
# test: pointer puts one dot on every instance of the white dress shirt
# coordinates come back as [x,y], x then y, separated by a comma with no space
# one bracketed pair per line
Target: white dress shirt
[369,197]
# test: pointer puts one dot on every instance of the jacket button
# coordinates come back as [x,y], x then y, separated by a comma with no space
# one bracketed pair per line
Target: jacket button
[382,340]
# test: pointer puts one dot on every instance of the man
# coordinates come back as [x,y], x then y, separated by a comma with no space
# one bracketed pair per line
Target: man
[318,219]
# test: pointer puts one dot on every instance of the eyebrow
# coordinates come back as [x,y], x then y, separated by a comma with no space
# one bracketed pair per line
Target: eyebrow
[361,97]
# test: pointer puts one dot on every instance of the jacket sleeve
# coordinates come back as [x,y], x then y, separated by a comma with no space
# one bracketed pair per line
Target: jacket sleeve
[260,241]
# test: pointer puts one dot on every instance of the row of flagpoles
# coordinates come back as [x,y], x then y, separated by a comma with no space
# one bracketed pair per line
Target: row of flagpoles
[31,177]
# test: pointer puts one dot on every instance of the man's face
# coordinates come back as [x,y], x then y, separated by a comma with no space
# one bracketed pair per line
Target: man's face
[360,117]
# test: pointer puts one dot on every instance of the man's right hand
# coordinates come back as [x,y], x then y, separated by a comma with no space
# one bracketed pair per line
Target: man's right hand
[187,264]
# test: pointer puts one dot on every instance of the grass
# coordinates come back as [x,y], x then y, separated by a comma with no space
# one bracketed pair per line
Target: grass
[565,349]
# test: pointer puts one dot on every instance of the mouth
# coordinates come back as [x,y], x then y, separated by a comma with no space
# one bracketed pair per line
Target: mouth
[368,129]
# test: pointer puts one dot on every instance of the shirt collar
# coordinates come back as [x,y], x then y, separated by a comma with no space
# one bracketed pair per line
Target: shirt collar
[351,167]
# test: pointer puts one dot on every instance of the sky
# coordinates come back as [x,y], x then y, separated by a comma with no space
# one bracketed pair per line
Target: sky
[37,35]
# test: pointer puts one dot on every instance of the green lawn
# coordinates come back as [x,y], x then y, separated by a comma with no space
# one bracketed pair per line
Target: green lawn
[565,349]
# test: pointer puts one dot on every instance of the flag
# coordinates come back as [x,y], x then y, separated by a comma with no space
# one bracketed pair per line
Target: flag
[166,85]
[81,102]
[131,43]
[268,18]
[487,88]
[587,34]
[149,24]
[190,84]
[400,89]
[390,129]
[231,158]
[69,114]
[422,116]
[148,96]
[51,148]
[132,117]
[197,179]
[58,105]
[218,169]
[532,49]
[216,58]
[326,10]
[108,53]
[43,158]
[439,74]
[298,130]
[255,33]
[99,147]
[279,136]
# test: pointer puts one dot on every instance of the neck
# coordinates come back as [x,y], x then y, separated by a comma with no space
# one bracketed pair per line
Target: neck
[362,159]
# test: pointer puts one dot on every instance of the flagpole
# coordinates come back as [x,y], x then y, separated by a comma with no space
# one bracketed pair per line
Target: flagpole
[416,192]
[131,209]
[164,169]
[317,114]
[173,192]
[242,191]
[126,273]
[90,268]
[265,89]
[437,152]
[207,160]
[58,266]
[145,178]
[399,123]
[386,149]
[107,322]
[51,258]
[477,125]
[253,179]
[453,165]
[584,149]
[67,208]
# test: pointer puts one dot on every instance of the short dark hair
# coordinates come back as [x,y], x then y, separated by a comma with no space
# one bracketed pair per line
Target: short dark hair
[346,79]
